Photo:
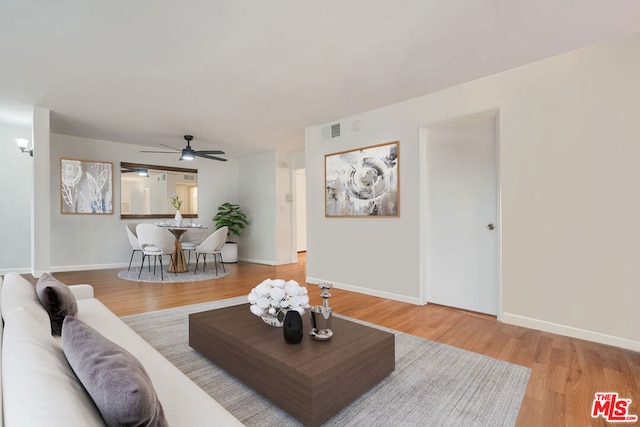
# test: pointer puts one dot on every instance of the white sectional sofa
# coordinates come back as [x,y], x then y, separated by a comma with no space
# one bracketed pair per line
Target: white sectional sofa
[39,387]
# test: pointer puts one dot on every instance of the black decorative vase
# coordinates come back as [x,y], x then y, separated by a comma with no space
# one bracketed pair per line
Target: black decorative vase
[292,327]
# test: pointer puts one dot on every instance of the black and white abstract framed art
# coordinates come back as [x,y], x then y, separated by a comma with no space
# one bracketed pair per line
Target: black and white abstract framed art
[363,182]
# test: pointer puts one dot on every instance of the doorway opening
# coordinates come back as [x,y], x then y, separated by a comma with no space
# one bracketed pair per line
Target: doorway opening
[299,212]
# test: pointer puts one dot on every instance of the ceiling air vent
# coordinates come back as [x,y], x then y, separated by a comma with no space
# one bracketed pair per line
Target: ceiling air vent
[332,131]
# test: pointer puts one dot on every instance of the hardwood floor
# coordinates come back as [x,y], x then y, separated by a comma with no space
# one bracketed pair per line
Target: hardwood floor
[566,372]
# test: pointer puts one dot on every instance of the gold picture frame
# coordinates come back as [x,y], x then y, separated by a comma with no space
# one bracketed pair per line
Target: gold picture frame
[86,187]
[364,182]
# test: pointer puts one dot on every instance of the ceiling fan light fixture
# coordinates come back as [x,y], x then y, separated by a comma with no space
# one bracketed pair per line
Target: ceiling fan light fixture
[188,154]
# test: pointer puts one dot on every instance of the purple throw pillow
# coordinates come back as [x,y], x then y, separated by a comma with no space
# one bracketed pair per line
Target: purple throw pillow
[57,300]
[116,381]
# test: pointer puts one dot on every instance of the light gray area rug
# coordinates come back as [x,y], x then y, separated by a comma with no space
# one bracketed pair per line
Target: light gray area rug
[166,277]
[433,384]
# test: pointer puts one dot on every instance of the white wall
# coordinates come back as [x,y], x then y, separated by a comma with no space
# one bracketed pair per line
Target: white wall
[297,160]
[569,185]
[377,256]
[265,181]
[81,242]
[257,188]
[16,186]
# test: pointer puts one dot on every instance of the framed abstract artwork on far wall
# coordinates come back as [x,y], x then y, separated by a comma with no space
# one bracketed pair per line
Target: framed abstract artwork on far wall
[363,182]
[86,187]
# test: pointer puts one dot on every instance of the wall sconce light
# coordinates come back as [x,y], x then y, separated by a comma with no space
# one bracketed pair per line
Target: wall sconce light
[23,144]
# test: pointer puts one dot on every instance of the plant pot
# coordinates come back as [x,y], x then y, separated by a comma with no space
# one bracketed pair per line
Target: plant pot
[229,253]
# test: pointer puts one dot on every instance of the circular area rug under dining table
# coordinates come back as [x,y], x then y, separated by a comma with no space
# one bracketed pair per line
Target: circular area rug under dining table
[189,276]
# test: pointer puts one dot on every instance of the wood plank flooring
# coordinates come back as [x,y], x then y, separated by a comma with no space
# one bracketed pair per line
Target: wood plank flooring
[566,372]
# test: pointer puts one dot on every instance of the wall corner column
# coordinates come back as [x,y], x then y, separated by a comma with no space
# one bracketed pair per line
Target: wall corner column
[41,202]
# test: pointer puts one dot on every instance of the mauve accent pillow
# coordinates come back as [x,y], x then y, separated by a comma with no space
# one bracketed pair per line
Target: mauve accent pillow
[57,300]
[113,377]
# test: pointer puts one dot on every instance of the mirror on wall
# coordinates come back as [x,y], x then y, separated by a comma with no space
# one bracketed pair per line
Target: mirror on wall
[146,190]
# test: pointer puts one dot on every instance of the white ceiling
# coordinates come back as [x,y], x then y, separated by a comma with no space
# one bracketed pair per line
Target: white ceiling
[249,75]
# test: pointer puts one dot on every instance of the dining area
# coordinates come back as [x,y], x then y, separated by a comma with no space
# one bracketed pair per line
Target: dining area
[159,209]
[170,248]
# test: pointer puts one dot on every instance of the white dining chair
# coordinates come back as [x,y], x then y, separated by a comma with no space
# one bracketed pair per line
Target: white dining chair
[156,242]
[133,240]
[212,245]
[191,239]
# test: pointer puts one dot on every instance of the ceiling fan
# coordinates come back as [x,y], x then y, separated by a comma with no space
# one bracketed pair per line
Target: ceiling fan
[189,153]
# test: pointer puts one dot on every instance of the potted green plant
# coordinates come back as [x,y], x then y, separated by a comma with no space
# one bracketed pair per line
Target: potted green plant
[230,215]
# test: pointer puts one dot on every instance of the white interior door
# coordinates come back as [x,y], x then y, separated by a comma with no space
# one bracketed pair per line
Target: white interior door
[462,215]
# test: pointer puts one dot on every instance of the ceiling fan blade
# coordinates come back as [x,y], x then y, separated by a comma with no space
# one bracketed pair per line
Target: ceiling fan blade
[177,149]
[210,151]
[206,156]
[161,152]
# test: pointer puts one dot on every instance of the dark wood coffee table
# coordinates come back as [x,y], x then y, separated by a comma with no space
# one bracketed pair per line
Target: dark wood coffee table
[312,380]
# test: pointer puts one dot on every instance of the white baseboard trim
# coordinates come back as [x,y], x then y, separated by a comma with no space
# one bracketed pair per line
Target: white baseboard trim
[366,291]
[134,265]
[257,261]
[61,268]
[271,263]
[570,331]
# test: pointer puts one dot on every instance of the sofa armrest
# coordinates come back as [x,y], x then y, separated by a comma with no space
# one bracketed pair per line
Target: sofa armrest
[81,291]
